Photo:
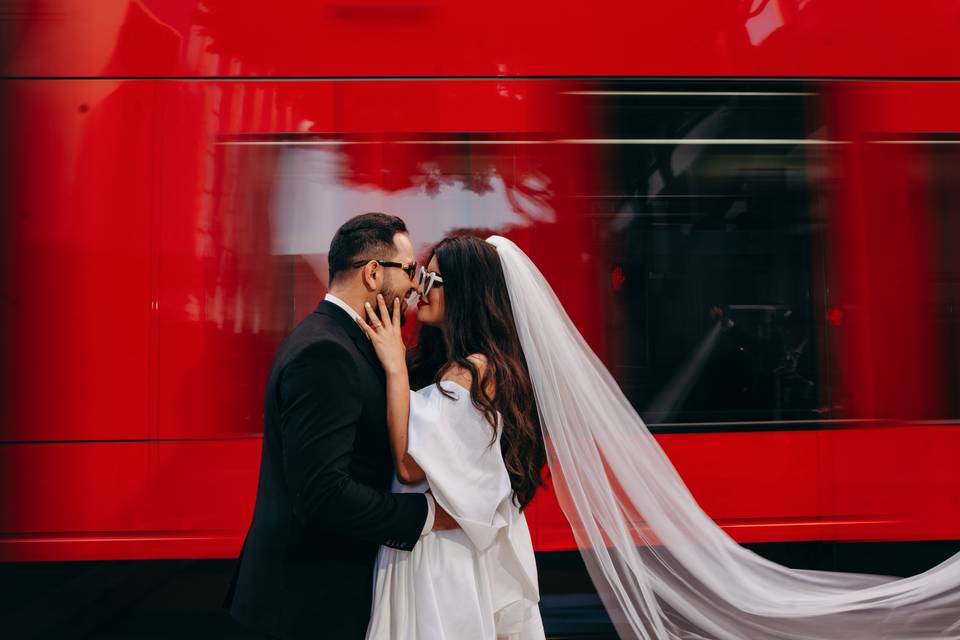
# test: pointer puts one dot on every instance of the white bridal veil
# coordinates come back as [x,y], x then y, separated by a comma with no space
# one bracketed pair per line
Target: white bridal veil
[663,568]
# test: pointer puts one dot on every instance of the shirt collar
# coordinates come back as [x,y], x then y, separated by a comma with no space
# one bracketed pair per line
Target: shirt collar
[343,305]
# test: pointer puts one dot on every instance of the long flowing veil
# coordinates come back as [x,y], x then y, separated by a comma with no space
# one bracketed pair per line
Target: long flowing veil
[663,568]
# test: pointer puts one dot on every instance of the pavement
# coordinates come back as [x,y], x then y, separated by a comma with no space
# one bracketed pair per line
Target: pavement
[181,600]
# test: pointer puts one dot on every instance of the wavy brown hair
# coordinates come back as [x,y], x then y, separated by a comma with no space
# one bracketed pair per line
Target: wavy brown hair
[478,318]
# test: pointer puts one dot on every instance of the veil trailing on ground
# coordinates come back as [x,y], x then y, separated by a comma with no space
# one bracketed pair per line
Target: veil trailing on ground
[663,568]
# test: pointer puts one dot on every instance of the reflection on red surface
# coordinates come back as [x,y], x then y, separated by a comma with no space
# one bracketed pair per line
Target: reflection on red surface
[835,316]
[160,242]
[882,251]
[431,38]
[152,283]
[616,278]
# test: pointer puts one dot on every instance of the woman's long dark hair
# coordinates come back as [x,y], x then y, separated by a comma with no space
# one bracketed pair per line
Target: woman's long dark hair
[478,318]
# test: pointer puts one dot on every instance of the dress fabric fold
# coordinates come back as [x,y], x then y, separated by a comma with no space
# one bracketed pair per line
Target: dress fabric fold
[479,581]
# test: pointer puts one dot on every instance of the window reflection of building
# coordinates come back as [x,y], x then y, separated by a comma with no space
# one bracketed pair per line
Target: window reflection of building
[317,189]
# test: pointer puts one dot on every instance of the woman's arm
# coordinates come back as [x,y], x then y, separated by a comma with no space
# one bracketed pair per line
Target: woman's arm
[388,343]
[398,422]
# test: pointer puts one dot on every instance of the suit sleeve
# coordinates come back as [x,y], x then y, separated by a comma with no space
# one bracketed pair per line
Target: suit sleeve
[319,414]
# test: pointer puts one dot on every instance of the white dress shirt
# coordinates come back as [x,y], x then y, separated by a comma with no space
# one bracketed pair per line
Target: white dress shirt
[431,506]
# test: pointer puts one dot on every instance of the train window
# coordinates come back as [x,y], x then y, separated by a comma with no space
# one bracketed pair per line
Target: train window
[945,177]
[705,215]
[688,212]
[691,229]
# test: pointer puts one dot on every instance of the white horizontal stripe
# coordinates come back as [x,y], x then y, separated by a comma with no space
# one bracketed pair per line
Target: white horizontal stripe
[689,141]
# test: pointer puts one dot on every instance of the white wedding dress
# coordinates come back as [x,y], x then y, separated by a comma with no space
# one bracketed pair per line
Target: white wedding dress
[479,581]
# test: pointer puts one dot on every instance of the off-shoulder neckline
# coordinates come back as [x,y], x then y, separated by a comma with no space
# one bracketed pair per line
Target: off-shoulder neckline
[456,384]
[465,390]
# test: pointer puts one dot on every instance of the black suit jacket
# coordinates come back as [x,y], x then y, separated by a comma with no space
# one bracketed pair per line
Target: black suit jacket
[323,504]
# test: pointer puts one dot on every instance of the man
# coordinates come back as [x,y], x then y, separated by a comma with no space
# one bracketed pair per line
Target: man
[323,503]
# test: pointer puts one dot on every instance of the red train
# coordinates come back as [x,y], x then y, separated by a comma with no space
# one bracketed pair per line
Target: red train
[749,208]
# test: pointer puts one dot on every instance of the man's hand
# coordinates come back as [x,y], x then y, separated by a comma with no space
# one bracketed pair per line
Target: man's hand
[443,521]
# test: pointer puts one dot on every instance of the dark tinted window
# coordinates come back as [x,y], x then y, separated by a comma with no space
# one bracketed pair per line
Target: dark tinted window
[711,242]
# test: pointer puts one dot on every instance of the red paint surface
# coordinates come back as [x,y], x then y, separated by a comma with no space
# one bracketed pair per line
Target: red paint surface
[146,301]
[431,38]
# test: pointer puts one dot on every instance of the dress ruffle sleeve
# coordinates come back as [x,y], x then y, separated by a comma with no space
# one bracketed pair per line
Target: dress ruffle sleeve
[456,448]
[478,582]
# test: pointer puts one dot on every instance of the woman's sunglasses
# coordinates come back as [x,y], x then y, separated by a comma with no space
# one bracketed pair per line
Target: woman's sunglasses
[427,280]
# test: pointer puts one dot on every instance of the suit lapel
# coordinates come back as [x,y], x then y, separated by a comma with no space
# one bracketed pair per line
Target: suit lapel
[354,331]
[366,348]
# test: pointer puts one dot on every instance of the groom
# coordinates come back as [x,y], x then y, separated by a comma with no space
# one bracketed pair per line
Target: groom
[324,504]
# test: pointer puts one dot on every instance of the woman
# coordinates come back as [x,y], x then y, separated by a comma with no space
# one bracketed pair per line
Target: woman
[470,436]
[664,569]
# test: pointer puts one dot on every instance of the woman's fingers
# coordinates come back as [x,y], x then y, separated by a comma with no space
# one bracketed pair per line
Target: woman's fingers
[364,326]
[385,319]
[384,314]
[374,320]
[375,327]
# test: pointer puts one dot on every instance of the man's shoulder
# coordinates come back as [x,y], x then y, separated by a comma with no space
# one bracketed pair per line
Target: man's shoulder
[316,335]
[318,325]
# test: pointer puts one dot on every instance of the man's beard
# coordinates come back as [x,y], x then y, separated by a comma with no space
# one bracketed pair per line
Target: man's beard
[388,298]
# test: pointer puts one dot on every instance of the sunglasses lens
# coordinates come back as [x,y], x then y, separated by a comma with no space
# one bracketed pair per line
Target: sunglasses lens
[426,280]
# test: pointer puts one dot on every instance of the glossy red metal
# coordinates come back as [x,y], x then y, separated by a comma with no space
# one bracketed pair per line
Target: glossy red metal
[893,348]
[146,296]
[433,38]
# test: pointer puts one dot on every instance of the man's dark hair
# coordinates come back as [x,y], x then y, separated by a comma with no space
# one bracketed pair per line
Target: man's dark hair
[368,236]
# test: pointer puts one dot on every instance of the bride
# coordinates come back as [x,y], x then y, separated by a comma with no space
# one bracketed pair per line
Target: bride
[508,381]
[471,437]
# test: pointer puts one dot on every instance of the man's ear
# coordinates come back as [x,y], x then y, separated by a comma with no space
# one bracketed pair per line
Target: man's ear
[371,276]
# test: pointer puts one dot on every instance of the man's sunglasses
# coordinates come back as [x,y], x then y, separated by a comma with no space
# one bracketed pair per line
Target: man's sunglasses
[409,268]
[427,280]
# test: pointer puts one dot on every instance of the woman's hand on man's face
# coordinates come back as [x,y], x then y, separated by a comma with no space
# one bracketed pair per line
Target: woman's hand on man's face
[384,333]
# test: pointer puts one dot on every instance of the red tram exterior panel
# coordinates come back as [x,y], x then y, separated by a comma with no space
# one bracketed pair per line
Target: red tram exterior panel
[781,171]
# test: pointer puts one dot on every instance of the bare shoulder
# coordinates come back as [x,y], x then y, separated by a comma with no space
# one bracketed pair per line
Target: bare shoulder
[479,360]
[461,375]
